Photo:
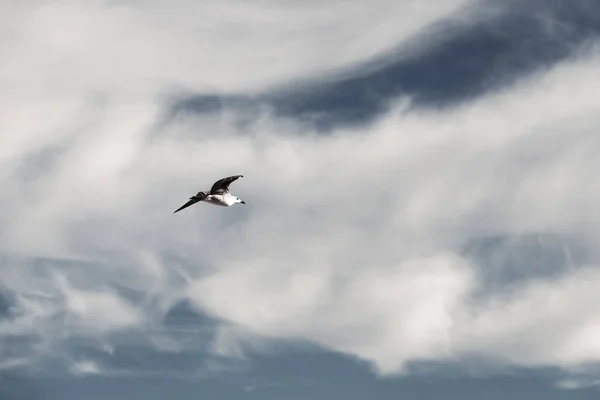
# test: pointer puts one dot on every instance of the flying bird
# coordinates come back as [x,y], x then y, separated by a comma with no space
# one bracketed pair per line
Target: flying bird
[218,195]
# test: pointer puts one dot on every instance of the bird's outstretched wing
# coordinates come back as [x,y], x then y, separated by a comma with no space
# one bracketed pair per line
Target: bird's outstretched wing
[222,185]
[193,200]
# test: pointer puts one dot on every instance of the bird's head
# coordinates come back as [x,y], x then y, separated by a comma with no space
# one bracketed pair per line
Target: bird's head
[238,200]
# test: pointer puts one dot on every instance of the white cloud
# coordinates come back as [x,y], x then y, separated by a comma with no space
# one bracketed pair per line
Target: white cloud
[85,368]
[548,323]
[100,311]
[13,363]
[387,314]
[576,384]
[366,262]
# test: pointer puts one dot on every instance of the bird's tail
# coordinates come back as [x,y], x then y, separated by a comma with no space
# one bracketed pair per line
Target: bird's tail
[193,200]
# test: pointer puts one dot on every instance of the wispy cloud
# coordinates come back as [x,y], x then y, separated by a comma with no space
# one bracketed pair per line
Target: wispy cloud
[353,241]
[574,384]
[85,368]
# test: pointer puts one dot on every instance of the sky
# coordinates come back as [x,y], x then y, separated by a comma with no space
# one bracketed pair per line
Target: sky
[420,179]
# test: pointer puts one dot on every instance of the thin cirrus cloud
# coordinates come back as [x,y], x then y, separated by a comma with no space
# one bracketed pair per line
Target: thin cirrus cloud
[355,241]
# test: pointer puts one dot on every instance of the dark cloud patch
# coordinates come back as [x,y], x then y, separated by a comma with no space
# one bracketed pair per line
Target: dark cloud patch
[463,62]
[5,305]
[298,376]
[508,261]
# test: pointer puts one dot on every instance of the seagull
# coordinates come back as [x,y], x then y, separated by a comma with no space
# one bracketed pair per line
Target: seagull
[218,195]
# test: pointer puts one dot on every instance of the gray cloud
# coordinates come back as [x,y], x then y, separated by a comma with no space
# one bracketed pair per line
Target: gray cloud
[453,60]
[357,242]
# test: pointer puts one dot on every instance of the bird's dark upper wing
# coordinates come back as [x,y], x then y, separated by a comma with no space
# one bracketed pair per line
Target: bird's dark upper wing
[193,200]
[222,185]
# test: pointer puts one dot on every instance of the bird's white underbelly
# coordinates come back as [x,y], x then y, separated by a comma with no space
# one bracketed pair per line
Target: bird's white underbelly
[220,200]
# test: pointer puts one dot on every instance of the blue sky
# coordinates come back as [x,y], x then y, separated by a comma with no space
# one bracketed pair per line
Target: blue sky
[420,180]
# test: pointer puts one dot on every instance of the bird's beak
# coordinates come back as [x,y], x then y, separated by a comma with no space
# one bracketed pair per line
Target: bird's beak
[243,202]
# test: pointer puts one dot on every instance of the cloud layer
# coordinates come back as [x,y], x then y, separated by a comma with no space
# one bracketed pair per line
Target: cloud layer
[359,241]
